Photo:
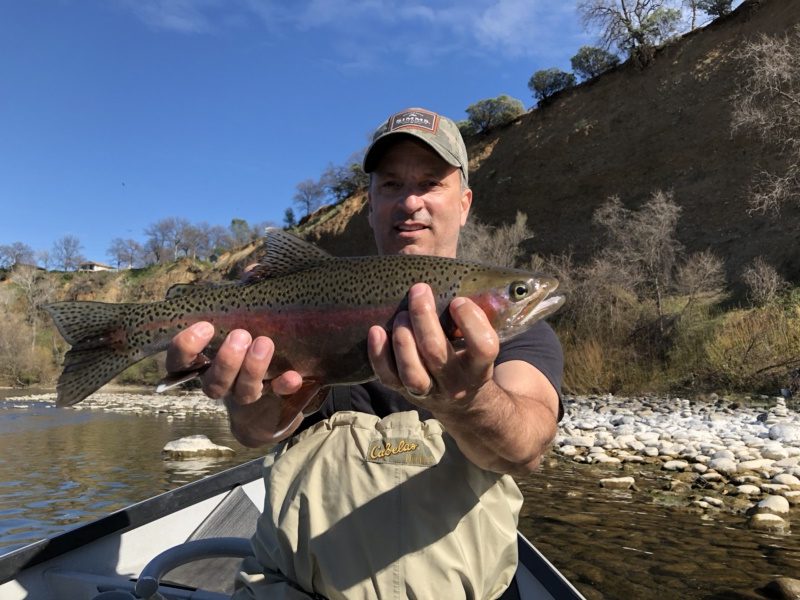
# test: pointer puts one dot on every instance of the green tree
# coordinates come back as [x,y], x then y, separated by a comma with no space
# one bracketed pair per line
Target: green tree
[590,62]
[635,27]
[241,232]
[715,8]
[492,112]
[289,219]
[548,82]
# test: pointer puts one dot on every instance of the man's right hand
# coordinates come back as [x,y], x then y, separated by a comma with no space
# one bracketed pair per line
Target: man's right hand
[237,375]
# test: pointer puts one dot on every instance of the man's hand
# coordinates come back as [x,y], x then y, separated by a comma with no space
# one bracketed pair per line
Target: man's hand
[237,375]
[503,418]
[418,358]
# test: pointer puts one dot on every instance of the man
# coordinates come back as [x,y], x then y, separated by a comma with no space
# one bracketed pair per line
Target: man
[500,406]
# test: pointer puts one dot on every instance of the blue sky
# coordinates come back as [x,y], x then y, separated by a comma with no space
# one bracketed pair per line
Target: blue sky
[117,113]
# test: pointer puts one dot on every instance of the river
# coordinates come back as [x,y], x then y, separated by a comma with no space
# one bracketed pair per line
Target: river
[59,468]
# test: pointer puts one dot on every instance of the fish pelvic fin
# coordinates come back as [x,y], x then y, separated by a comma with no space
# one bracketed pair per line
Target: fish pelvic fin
[100,350]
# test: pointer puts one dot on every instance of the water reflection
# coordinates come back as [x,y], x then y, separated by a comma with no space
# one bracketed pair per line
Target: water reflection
[628,545]
[62,467]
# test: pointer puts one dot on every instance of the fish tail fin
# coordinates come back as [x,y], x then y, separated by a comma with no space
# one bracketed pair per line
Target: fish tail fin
[100,349]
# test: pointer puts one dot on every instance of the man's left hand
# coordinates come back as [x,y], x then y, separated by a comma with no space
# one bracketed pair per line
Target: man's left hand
[420,361]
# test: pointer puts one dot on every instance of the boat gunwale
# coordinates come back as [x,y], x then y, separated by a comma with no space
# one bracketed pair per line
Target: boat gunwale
[128,518]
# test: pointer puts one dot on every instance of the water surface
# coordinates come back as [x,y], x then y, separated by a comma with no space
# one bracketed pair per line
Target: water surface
[59,468]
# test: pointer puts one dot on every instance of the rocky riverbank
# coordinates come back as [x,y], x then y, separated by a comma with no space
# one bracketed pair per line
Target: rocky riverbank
[178,405]
[715,455]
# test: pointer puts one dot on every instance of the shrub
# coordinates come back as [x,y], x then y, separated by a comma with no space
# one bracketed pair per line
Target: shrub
[492,112]
[590,62]
[546,83]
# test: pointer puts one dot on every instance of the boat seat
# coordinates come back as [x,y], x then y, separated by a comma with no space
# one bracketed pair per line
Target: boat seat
[235,517]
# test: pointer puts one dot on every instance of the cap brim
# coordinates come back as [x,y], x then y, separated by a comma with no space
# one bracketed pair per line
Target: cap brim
[379,146]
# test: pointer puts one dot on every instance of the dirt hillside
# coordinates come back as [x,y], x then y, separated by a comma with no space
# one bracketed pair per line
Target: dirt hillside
[630,132]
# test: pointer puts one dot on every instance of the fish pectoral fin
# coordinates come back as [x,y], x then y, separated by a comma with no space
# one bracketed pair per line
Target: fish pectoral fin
[199,366]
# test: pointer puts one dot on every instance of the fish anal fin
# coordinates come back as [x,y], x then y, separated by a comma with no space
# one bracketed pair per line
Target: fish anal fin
[199,365]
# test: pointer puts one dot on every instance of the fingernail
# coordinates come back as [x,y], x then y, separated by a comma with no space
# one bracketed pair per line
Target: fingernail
[457,303]
[417,290]
[204,329]
[259,348]
[239,338]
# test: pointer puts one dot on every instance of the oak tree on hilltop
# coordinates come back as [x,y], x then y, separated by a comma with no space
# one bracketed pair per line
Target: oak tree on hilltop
[492,112]
[635,27]
[590,62]
[548,82]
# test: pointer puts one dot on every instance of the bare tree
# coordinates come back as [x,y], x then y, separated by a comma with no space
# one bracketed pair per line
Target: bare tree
[643,243]
[309,195]
[763,282]
[501,246]
[15,254]
[127,252]
[166,234]
[67,253]
[635,27]
[701,273]
[692,6]
[36,290]
[767,104]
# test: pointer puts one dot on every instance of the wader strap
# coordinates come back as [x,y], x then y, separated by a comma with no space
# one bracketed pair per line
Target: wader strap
[342,398]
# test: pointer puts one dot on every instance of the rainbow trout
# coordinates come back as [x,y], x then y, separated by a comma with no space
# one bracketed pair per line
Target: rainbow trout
[317,308]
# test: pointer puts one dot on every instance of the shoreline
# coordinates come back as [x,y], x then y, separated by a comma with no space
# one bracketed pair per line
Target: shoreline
[710,455]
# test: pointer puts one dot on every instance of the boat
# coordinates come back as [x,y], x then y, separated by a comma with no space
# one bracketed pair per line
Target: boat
[187,544]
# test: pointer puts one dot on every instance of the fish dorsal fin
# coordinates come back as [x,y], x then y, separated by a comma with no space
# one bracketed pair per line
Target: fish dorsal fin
[286,253]
[179,290]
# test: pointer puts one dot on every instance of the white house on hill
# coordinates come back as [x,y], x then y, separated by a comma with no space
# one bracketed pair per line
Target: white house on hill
[94,266]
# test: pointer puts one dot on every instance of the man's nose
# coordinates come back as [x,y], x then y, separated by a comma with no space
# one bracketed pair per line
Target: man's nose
[412,202]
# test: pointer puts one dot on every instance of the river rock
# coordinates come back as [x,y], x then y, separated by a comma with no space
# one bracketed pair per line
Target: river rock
[777,505]
[785,432]
[774,488]
[783,588]
[786,479]
[767,522]
[578,441]
[774,452]
[755,465]
[567,450]
[723,465]
[617,483]
[793,496]
[675,465]
[193,446]
[748,489]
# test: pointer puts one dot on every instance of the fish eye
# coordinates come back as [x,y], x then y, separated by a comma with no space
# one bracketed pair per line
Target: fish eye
[518,290]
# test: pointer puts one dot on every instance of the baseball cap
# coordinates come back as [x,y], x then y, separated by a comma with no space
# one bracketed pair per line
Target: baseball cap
[439,132]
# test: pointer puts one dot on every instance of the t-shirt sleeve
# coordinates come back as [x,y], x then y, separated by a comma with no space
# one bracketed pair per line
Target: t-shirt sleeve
[540,347]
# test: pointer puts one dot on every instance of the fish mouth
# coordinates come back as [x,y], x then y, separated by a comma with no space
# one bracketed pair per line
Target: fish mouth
[534,311]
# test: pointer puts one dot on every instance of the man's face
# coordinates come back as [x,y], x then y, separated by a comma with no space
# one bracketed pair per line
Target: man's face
[416,205]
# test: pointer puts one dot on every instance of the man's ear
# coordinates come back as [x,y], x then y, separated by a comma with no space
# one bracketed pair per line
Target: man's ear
[369,210]
[466,204]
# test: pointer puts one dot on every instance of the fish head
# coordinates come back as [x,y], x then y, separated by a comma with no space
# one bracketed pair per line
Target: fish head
[512,299]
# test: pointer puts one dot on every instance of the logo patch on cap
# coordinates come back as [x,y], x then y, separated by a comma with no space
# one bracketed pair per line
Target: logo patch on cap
[417,119]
